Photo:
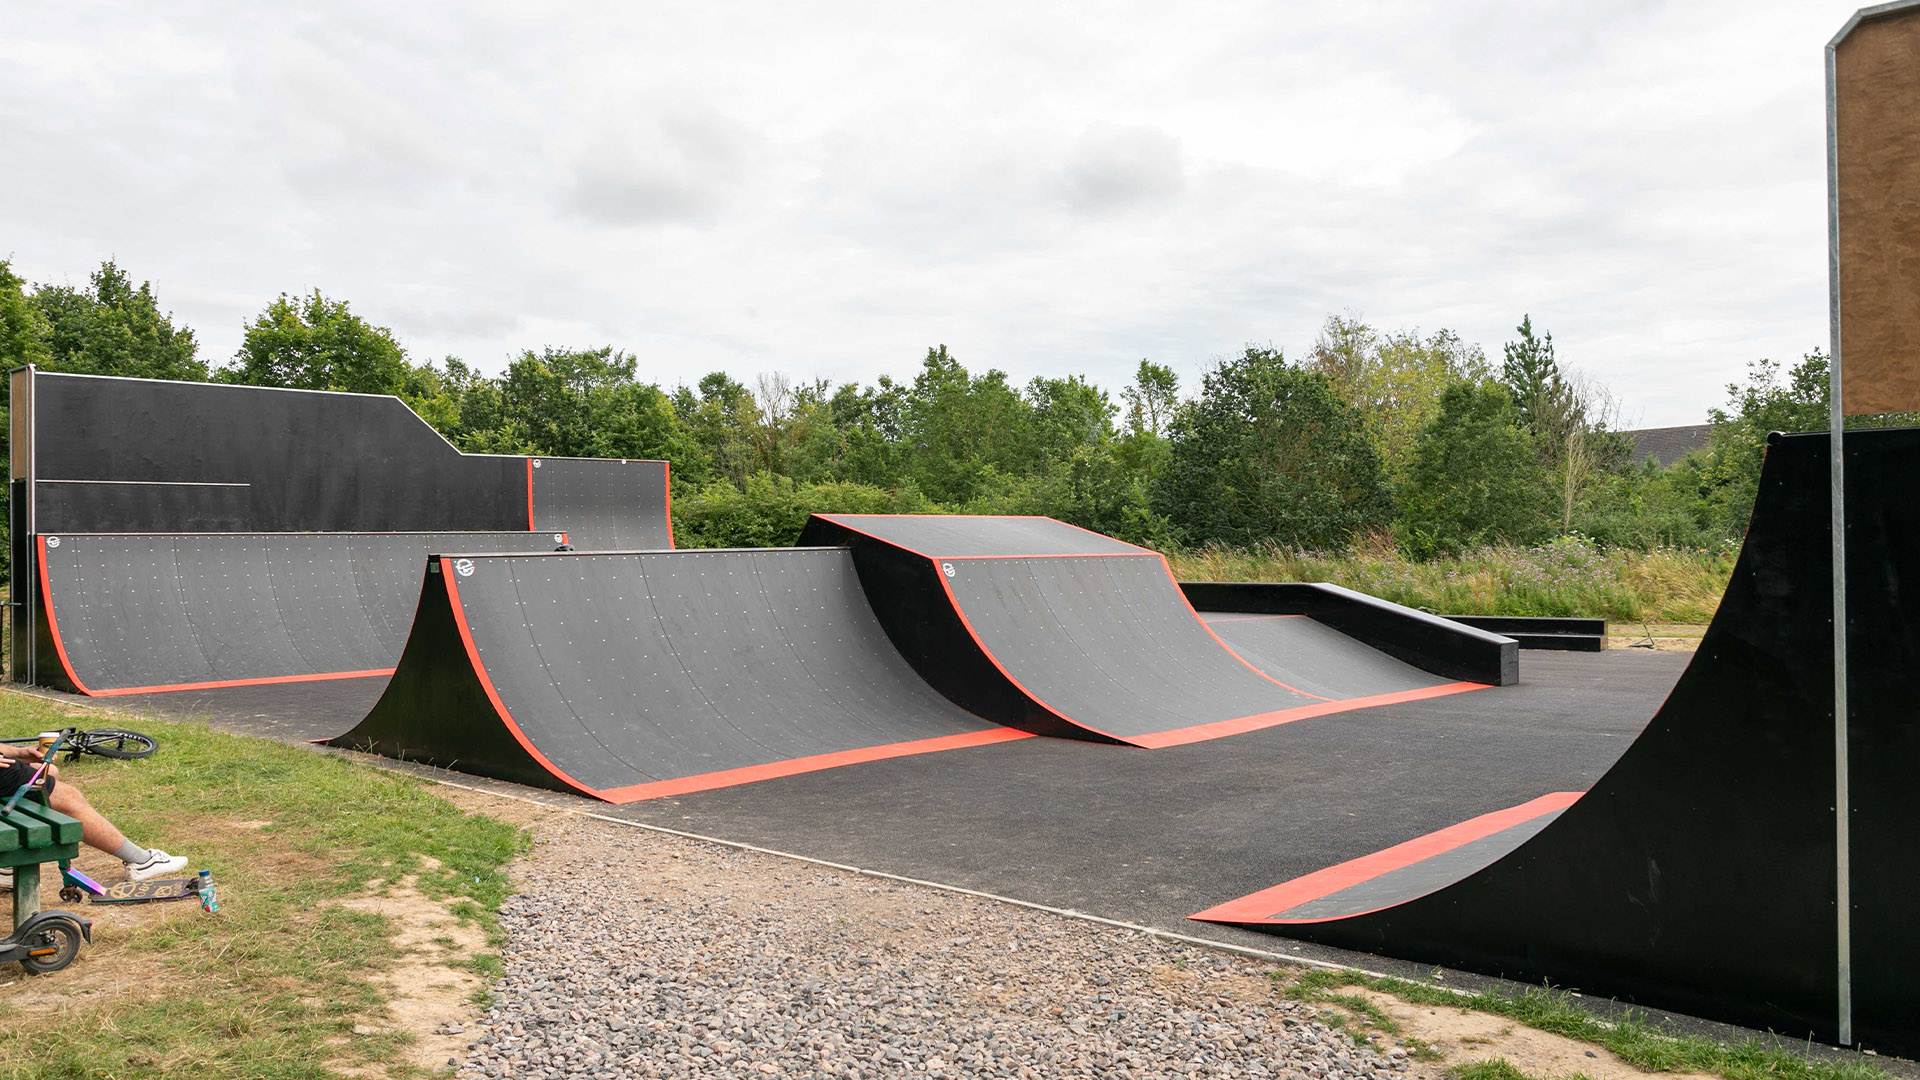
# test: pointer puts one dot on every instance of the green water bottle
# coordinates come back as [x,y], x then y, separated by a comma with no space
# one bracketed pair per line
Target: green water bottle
[208,902]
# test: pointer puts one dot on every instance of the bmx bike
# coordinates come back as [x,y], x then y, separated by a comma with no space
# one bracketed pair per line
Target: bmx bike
[117,743]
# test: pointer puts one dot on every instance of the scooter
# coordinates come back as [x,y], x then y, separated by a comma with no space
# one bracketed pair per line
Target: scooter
[46,942]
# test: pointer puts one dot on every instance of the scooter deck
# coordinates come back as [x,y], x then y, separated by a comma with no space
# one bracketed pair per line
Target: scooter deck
[134,892]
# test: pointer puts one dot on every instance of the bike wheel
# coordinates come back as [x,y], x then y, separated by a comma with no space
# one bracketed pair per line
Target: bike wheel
[59,936]
[115,743]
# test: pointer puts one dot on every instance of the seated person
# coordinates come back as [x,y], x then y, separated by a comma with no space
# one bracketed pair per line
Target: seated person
[142,863]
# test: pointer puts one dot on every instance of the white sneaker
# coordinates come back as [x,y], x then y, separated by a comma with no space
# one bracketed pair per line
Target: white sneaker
[157,863]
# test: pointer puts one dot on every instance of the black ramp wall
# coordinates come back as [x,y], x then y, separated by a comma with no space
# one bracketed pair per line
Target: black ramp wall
[137,612]
[604,505]
[142,455]
[1699,873]
[630,676]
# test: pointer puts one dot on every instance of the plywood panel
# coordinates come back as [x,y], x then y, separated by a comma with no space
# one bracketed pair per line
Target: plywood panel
[1877,101]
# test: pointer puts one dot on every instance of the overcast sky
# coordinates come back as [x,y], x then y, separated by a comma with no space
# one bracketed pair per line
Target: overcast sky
[827,189]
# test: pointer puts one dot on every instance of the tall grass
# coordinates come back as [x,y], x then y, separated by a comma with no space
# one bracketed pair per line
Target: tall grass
[1569,576]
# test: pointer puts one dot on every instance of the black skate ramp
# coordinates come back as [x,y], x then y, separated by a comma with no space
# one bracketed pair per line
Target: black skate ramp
[140,613]
[1047,627]
[632,676]
[1699,874]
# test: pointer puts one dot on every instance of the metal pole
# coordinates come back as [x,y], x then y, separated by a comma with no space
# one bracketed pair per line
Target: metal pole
[1836,472]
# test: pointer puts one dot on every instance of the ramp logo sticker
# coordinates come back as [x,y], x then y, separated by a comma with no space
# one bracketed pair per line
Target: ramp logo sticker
[536,463]
[559,538]
[463,567]
[946,568]
[53,541]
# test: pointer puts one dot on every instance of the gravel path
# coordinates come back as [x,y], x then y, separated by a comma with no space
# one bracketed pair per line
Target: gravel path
[638,955]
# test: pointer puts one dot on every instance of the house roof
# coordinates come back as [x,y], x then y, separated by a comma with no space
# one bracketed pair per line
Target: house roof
[1666,445]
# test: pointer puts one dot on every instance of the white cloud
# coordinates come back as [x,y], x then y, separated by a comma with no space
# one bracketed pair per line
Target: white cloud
[827,190]
[676,165]
[1117,168]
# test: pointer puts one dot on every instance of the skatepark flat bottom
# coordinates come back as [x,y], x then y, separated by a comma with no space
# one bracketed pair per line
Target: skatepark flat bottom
[291,712]
[1151,836]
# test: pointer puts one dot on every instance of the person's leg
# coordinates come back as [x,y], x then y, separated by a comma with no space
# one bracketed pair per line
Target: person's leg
[96,830]
[142,863]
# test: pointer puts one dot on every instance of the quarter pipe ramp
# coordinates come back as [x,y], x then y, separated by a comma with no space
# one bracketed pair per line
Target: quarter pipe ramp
[637,675]
[136,613]
[1699,874]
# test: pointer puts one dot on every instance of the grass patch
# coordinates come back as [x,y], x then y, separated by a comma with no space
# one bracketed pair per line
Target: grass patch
[1496,1069]
[272,986]
[1568,577]
[485,965]
[1631,1038]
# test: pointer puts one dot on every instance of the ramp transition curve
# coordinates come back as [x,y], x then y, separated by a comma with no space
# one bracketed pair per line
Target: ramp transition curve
[1699,874]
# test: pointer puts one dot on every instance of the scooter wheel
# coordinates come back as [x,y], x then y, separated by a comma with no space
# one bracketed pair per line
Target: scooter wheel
[71,894]
[61,938]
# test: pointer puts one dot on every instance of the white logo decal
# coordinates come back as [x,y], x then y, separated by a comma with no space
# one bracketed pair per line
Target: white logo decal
[536,463]
[463,567]
[946,568]
[559,538]
[53,541]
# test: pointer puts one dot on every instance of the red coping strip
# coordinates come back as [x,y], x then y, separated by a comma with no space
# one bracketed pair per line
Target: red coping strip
[794,766]
[666,477]
[265,681]
[530,527]
[53,624]
[726,777]
[1222,728]
[1033,555]
[1266,905]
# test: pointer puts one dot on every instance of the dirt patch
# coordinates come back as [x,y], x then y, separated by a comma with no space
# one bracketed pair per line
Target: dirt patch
[1461,1036]
[428,997]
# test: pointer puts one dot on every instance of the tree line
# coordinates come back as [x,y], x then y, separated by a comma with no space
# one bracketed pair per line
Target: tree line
[1370,433]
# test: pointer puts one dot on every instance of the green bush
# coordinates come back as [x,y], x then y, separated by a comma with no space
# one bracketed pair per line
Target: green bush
[771,511]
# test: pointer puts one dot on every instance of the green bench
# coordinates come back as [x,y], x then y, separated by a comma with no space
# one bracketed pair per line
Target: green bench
[31,834]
